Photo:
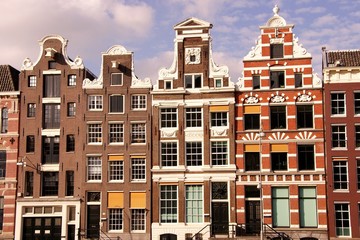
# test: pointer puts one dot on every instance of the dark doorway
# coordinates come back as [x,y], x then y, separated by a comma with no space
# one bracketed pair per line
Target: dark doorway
[220,218]
[71,232]
[168,236]
[44,228]
[93,221]
[252,215]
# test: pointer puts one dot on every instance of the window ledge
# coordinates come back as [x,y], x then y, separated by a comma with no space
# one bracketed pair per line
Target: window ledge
[339,149]
[338,115]
[113,113]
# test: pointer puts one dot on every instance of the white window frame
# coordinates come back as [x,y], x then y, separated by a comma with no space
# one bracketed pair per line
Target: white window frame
[137,133]
[194,204]
[95,102]
[214,154]
[138,102]
[339,133]
[337,107]
[93,168]
[343,171]
[168,118]
[116,170]
[116,214]
[138,223]
[193,76]
[94,137]
[138,169]
[356,100]
[117,134]
[122,79]
[165,84]
[71,80]
[216,118]
[32,81]
[306,203]
[166,154]
[221,82]
[168,204]
[189,113]
[112,111]
[192,154]
[342,220]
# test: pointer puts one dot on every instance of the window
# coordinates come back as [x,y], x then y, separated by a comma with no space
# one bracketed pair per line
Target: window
[193,117]
[116,104]
[95,102]
[116,170]
[304,116]
[194,203]
[193,154]
[357,102]
[340,174]
[2,164]
[168,85]
[278,117]
[308,207]
[193,81]
[115,219]
[337,103]
[252,161]
[94,133]
[1,212]
[50,148]
[357,136]
[52,65]
[70,143]
[116,79]
[298,80]
[168,204]
[338,136]
[168,117]
[72,80]
[69,183]
[4,120]
[219,119]
[280,207]
[116,133]
[31,110]
[219,153]
[169,154]
[51,116]
[252,121]
[276,51]
[138,169]
[51,85]
[138,102]
[278,161]
[138,133]
[138,219]
[50,183]
[29,184]
[358,173]
[306,159]
[219,190]
[30,143]
[342,219]
[94,168]
[32,81]
[256,81]
[71,109]
[277,79]
[218,82]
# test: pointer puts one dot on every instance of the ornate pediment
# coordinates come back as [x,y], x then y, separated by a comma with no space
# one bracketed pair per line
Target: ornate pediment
[277,98]
[193,23]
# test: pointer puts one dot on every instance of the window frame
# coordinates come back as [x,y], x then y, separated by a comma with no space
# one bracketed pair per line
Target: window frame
[52,116]
[49,184]
[71,109]
[357,136]
[94,133]
[277,161]
[50,150]
[277,79]
[338,104]
[95,102]
[193,153]
[138,133]
[338,137]
[219,119]
[70,143]
[252,119]
[71,80]
[93,169]
[70,180]
[116,219]
[304,155]
[121,79]
[194,83]
[168,204]
[284,205]
[256,82]
[116,171]
[51,85]
[306,202]
[341,212]
[116,137]
[298,78]
[138,169]
[30,143]
[276,50]
[3,164]
[32,81]
[252,161]
[168,118]
[302,114]
[31,110]
[138,220]
[357,103]
[169,154]
[137,103]
[4,119]
[216,81]
[278,117]
[193,117]
[194,203]
[116,106]
[341,175]
[218,156]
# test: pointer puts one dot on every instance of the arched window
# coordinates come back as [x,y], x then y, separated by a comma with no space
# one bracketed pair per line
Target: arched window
[4,120]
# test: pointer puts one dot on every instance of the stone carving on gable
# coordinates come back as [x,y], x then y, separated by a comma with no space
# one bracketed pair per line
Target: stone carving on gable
[168,133]
[304,97]
[255,51]
[217,71]
[298,49]
[278,98]
[317,82]
[192,55]
[27,64]
[93,84]
[138,83]
[276,20]
[170,73]
[117,50]
[219,132]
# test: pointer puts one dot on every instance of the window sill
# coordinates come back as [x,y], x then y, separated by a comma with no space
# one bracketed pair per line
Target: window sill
[95,144]
[116,143]
[95,110]
[337,115]
[138,109]
[116,181]
[138,181]
[113,113]
[341,191]
[339,149]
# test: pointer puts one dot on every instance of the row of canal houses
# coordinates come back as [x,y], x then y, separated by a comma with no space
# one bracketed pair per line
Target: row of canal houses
[193,156]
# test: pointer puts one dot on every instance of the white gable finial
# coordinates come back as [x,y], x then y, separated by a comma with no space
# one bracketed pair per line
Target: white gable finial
[276,10]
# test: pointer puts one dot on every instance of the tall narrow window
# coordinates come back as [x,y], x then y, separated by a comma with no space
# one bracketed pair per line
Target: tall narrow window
[194,203]
[51,116]
[95,133]
[277,79]
[306,157]
[357,136]
[4,120]
[256,82]
[1,212]
[304,116]
[358,173]
[32,81]
[115,219]
[138,219]
[94,168]
[169,154]
[252,161]
[30,143]
[308,207]
[69,183]
[138,169]
[278,117]
[357,102]
[50,147]
[168,204]
[116,170]
[193,153]
[338,136]
[31,110]
[280,207]
[193,117]
[298,80]
[168,118]
[71,109]
[70,143]
[2,164]
[72,80]
[340,174]
[279,161]
[276,50]
[338,103]
[29,184]
[219,153]
[51,85]
[50,183]
[138,133]
[342,219]
[116,133]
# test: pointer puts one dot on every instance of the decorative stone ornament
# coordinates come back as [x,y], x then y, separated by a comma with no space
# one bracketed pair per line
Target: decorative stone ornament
[192,55]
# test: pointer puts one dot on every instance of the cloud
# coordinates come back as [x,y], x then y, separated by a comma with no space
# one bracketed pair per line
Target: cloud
[310,10]
[326,20]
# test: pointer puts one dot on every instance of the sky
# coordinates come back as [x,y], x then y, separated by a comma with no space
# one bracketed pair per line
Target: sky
[145,27]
